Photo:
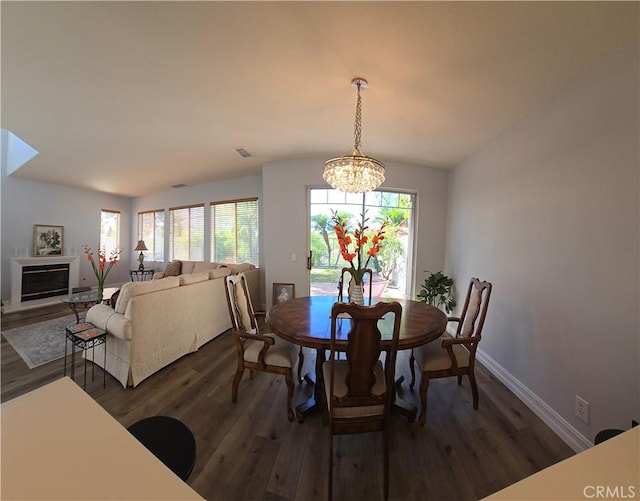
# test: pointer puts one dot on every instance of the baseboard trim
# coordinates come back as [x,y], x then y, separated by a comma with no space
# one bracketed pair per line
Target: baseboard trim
[560,426]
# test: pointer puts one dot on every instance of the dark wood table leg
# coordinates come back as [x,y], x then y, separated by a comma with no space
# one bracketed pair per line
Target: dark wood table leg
[316,400]
[407,409]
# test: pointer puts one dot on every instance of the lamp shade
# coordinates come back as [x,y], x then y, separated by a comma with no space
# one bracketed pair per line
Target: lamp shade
[141,246]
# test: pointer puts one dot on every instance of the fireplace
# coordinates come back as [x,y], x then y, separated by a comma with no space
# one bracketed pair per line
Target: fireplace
[38,281]
[42,281]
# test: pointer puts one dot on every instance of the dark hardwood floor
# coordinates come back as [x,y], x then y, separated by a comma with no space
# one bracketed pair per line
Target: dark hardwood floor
[249,450]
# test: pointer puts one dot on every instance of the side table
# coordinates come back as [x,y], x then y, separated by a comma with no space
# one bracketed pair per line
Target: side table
[85,336]
[141,275]
[86,299]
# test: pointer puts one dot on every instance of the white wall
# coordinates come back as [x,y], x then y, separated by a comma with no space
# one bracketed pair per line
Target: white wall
[286,225]
[25,203]
[549,212]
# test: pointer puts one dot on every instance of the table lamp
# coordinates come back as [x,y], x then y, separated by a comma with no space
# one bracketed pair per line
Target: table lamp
[141,247]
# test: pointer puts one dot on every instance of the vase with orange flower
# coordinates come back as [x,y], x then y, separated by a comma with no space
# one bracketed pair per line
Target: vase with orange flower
[357,247]
[104,265]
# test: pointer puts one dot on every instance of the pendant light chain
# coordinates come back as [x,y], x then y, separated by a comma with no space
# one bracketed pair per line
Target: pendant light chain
[355,172]
[357,132]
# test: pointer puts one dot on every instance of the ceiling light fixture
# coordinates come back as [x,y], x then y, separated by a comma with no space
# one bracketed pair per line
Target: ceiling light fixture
[355,173]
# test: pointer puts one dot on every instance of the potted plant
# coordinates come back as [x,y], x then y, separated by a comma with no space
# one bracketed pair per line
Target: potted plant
[437,290]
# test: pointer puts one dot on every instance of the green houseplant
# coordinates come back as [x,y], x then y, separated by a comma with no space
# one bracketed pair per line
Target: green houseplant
[437,290]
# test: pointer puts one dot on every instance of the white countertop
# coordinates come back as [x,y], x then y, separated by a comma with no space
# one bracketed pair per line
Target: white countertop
[610,470]
[58,443]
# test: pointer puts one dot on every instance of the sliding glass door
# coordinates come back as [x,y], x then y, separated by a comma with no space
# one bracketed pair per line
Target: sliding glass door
[392,267]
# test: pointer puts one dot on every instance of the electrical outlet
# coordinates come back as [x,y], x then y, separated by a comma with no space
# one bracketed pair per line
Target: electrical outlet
[582,409]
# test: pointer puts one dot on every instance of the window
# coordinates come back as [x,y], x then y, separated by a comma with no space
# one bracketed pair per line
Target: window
[151,230]
[234,231]
[109,231]
[186,233]
[393,265]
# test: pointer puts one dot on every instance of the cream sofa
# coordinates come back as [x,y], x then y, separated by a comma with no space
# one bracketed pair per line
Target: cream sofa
[158,321]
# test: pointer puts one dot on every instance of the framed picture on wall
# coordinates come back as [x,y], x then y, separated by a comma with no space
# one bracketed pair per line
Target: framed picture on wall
[283,292]
[47,240]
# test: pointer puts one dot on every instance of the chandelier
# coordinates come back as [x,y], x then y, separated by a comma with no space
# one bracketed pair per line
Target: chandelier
[355,173]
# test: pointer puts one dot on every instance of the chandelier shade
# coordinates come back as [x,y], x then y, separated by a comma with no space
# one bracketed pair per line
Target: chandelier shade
[355,173]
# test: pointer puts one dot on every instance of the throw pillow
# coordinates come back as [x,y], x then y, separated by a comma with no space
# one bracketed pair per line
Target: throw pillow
[173,269]
[114,299]
[204,266]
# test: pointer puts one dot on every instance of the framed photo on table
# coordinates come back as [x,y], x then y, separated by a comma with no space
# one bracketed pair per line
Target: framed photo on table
[47,240]
[283,292]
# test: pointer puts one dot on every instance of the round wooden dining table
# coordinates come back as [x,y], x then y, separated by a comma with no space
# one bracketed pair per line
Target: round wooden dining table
[306,321]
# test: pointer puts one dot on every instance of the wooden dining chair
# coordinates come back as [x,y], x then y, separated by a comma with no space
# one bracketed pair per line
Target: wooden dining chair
[256,351]
[358,390]
[341,283]
[454,355]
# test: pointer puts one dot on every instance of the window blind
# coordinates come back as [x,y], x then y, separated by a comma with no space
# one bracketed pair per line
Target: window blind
[234,231]
[151,230]
[186,233]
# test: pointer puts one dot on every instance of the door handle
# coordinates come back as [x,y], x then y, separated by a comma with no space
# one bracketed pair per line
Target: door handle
[309,259]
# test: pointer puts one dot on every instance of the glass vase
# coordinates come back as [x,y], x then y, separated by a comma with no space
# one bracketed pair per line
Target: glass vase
[356,293]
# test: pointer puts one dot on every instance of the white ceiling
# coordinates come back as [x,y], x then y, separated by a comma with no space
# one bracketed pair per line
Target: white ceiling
[131,98]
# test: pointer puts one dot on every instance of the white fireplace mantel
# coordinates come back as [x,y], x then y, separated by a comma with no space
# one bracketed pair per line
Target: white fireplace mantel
[17,263]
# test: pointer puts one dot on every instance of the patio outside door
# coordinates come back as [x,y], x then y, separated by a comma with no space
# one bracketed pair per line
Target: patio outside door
[392,267]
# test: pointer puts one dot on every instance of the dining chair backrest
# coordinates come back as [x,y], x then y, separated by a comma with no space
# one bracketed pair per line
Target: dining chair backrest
[362,354]
[341,284]
[474,310]
[360,390]
[256,351]
[241,310]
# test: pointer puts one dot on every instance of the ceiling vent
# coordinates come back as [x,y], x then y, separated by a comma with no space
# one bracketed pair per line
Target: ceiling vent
[243,153]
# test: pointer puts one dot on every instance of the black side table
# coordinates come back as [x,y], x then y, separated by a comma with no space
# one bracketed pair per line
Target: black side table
[141,275]
[85,336]
[170,440]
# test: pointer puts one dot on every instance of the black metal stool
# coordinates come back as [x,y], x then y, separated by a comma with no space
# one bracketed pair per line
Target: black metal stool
[170,440]
[606,435]
[603,435]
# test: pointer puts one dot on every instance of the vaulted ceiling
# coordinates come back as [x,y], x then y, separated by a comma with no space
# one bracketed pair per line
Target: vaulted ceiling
[131,98]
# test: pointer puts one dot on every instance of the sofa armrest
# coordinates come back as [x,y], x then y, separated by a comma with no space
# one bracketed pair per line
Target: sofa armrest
[104,317]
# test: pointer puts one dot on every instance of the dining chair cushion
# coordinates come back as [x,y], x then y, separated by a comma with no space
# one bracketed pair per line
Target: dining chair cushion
[340,389]
[281,354]
[433,357]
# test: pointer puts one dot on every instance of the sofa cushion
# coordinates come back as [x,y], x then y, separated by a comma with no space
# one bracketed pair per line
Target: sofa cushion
[131,289]
[173,269]
[204,266]
[192,278]
[219,272]
[241,267]
[187,267]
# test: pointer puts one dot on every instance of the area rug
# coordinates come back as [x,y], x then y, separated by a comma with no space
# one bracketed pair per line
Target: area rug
[40,343]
